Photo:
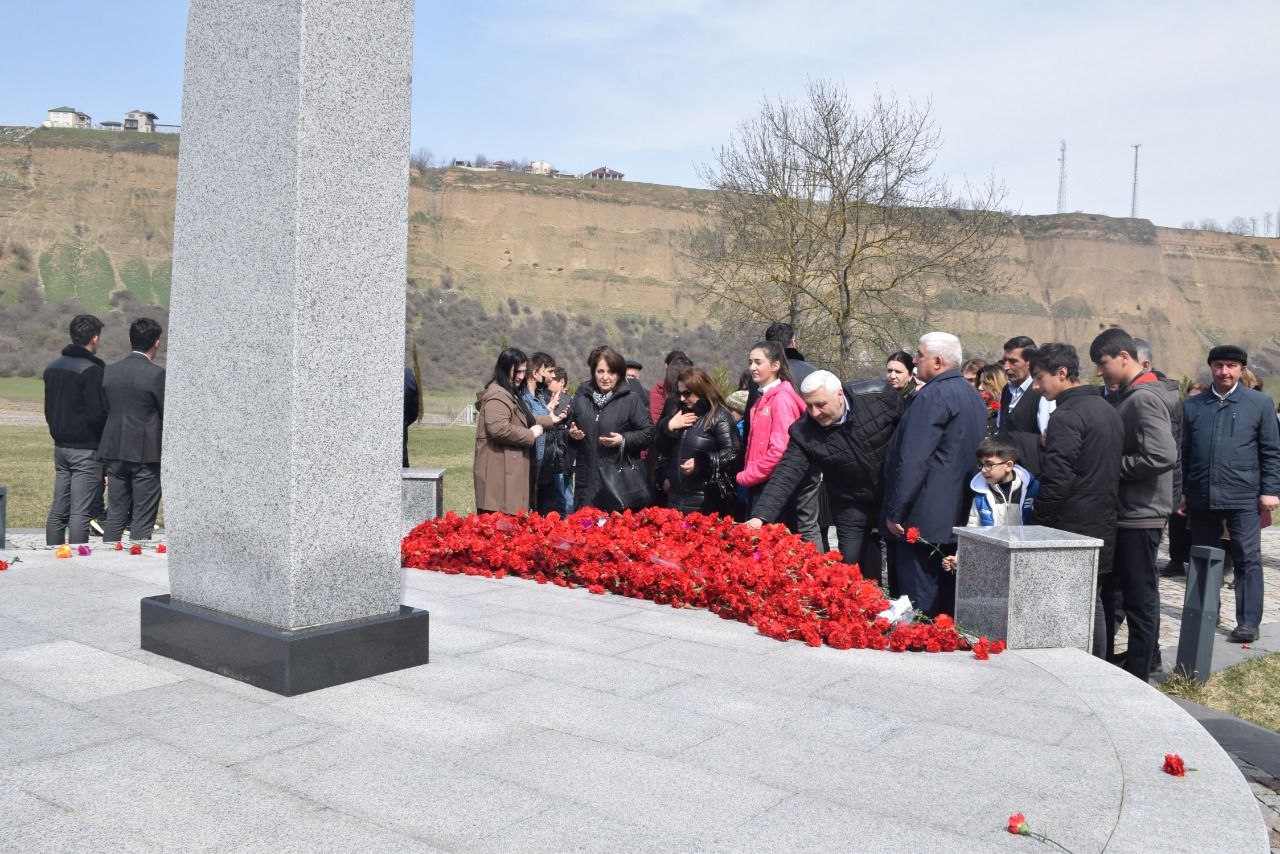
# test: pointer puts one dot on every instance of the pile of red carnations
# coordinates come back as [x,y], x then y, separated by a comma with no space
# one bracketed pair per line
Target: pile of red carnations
[767,578]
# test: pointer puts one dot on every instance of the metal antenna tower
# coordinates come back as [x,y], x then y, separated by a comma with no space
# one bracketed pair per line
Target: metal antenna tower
[1062,177]
[1133,208]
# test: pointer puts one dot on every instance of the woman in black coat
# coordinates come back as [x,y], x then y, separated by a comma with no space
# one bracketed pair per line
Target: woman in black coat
[697,444]
[609,428]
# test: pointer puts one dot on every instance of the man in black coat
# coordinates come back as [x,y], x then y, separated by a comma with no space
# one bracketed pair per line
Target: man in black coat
[927,472]
[75,412]
[1024,411]
[1080,467]
[131,439]
[844,436]
[412,401]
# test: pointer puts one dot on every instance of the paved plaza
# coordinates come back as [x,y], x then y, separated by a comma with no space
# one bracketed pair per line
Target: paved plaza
[554,720]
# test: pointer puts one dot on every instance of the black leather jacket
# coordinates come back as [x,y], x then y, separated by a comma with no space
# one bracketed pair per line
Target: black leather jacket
[712,447]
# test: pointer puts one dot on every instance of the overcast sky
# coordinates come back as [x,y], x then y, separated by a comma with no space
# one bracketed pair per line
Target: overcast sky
[651,87]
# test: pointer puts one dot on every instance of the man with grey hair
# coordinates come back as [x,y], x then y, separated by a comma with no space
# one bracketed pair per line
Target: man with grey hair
[927,473]
[843,436]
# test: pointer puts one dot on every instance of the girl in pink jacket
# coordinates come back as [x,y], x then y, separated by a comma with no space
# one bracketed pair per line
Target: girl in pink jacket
[771,415]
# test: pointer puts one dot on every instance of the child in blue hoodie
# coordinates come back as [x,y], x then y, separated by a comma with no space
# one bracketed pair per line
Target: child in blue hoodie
[1003,491]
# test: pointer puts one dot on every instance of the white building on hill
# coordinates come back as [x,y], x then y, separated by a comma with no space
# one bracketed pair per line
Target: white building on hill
[140,121]
[68,117]
[539,167]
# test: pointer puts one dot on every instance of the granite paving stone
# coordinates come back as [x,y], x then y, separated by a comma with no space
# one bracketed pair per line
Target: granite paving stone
[76,673]
[16,633]
[445,805]
[632,786]
[514,740]
[602,717]
[609,674]
[33,725]
[577,604]
[418,723]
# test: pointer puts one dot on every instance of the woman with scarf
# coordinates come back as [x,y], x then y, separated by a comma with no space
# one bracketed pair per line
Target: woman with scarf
[609,427]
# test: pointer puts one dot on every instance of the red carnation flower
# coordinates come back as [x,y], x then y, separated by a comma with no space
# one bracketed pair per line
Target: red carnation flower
[135,550]
[1174,765]
[994,406]
[1018,824]
[913,535]
[4,564]
[161,549]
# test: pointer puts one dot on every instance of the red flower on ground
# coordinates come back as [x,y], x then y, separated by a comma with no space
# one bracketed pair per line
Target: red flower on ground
[1018,824]
[769,578]
[1174,765]
[4,564]
[161,549]
[913,535]
[135,550]
[119,546]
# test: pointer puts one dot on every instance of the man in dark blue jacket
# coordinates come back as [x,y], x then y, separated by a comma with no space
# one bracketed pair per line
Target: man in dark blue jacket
[75,412]
[1231,475]
[927,472]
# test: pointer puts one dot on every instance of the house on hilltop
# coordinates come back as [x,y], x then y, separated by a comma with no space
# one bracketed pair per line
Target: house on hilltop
[68,117]
[606,174]
[140,121]
[539,167]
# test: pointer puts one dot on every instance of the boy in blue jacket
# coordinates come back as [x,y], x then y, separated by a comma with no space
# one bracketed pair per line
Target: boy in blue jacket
[1003,491]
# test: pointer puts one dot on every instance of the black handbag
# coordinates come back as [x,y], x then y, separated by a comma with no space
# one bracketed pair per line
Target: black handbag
[624,484]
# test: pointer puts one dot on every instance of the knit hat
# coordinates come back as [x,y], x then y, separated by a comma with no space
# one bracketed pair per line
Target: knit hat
[1228,353]
[737,402]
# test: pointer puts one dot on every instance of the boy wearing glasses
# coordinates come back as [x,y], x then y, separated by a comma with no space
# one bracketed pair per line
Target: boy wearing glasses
[1004,493]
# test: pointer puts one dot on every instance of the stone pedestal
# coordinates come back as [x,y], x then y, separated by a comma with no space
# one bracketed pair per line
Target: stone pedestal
[1030,586]
[421,496]
[285,380]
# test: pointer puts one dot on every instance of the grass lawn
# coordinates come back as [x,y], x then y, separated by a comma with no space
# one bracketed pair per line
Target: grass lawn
[26,467]
[22,388]
[1250,691]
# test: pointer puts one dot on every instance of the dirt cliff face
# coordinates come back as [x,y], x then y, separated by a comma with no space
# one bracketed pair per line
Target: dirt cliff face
[91,216]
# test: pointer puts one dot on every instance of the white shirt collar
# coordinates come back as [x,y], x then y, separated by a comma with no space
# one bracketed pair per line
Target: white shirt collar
[1224,396]
[765,388]
[140,353]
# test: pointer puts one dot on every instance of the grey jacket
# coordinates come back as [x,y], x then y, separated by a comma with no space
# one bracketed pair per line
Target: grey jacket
[1150,453]
[1230,450]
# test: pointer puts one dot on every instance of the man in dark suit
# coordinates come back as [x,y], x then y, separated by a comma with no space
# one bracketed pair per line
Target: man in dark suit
[1024,411]
[130,446]
[927,472]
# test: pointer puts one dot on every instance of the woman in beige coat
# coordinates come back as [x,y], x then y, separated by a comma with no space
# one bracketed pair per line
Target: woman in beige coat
[505,435]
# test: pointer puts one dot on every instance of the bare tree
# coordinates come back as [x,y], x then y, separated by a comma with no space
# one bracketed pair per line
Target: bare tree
[834,220]
[1188,224]
[481,161]
[1209,224]
[422,159]
[1239,225]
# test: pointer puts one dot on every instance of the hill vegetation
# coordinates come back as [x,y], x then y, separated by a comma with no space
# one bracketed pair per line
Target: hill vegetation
[86,222]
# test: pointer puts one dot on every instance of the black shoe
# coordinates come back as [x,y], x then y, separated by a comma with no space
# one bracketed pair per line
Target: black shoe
[1157,665]
[1243,634]
[1174,569]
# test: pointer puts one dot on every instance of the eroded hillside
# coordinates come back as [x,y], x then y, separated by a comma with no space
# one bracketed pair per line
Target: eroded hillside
[86,217]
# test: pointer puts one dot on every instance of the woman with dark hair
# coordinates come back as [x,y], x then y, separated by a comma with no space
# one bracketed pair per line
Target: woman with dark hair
[899,372]
[772,415]
[610,426]
[662,397]
[506,432]
[698,448]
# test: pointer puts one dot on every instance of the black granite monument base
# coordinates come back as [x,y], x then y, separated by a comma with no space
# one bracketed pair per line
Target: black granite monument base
[284,662]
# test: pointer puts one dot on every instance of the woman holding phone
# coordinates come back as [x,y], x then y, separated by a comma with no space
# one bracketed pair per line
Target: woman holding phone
[698,447]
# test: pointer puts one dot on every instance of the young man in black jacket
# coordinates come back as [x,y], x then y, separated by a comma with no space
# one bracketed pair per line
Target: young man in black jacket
[75,412]
[844,435]
[1080,463]
[1145,501]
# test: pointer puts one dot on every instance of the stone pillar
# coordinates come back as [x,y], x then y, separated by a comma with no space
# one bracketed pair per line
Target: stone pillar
[422,497]
[1030,586]
[283,403]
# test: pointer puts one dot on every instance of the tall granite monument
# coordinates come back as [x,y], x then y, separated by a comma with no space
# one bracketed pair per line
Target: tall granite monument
[282,435]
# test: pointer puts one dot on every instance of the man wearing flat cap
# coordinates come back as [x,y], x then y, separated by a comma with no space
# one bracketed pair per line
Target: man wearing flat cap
[1231,475]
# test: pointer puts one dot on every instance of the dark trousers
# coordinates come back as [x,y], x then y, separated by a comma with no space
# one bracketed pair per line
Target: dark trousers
[133,500]
[807,503]
[1179,538]
[853,531]
[77,481]
[1099,625]
[921,577]
[1133,581]
[1245,528]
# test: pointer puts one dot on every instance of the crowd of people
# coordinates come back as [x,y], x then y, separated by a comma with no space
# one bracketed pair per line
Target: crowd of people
[895,463]
[107,423]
